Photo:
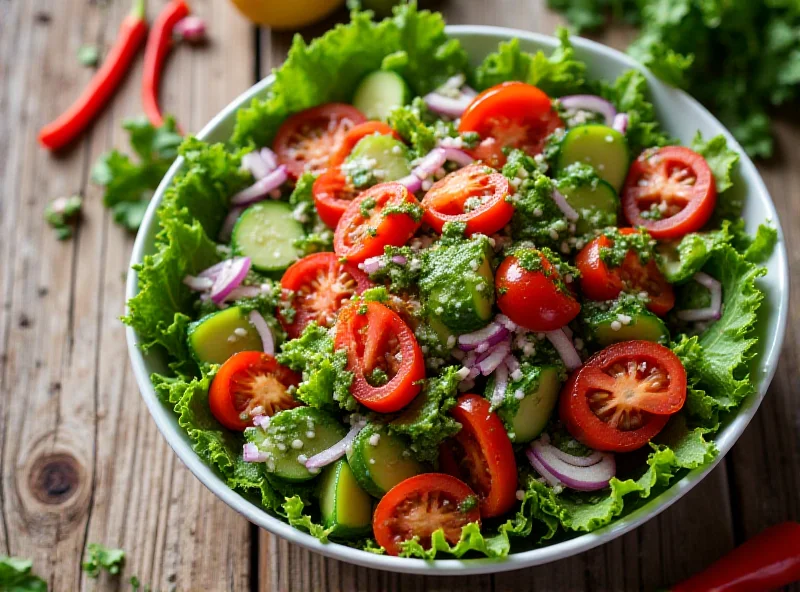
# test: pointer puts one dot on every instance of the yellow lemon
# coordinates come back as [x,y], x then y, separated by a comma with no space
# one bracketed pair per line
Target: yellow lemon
[286,14]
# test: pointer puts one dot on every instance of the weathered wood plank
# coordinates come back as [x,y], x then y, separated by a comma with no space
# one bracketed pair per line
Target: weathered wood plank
[71,414]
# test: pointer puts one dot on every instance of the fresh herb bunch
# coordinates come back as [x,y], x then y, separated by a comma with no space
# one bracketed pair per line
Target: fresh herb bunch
[738,57]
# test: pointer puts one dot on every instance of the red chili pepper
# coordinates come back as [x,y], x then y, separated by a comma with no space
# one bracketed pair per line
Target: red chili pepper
[74,120]
[768,561]
[158,46]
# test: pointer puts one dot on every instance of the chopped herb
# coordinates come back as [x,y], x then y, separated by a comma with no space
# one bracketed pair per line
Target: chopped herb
[62,213]
[89,55]
[102,558]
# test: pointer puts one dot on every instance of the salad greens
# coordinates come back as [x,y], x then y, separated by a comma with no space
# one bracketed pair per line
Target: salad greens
[102,558]
[16,576]
[413,44]
[740,58]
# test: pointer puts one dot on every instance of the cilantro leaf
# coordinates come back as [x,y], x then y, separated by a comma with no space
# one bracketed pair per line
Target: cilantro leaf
[130,184]
[102,558]
[16,576]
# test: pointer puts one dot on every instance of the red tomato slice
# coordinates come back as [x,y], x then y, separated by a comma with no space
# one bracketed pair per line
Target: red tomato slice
[676,184]
[246,381]
[316,286]
[623,396]
[306,141]
[359,132]
[378,341]
[333,193]
[601,282]
[364,231]
[481,455]
[535,299]
[421,505]
[474,195]
[514,115]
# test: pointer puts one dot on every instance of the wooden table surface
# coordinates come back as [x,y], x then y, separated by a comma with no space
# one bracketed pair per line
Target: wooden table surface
[81,459]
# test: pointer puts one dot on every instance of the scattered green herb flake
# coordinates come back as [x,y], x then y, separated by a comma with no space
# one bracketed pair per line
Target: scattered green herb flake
[412,209]
[639,242]
[89,55]
[62,213]
[366,206]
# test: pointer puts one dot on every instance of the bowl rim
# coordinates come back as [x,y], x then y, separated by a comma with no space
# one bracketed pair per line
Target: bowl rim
[724,440]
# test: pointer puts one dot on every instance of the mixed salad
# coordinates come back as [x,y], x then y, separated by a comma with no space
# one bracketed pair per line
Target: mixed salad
[429,309]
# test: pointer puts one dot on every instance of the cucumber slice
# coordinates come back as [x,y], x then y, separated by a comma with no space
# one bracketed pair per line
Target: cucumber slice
[607,327]
[377,159]
[292,437]
[600,146]
[379,92]
[381,460]
[344,506]
[535,408]
[598,205]
[266,233]
[457,285]
[213,339]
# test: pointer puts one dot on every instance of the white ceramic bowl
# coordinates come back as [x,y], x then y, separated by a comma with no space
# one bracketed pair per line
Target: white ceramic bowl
[682,116]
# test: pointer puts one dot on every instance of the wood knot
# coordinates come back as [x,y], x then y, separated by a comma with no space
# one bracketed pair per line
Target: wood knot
[54,478]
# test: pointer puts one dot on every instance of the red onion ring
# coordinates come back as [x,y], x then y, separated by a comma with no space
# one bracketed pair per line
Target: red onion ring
[336,451]
[457,156]
[551,479]
[577,461]
[500,384]
[568,211]
[254,164]
[411,182]
[230,276]
[492,333]
[495,358]
[260,190]
[565,348]
[251,454]
[592,103]
[712,312]
[267,340]
[198,284]
[621,122]
[591,478]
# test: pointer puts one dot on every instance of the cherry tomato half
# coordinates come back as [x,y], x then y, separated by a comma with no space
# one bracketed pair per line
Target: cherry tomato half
[306,141]
[246,381]
[675,186]
[481,454]
[316,286]
[623,395]
[475,195]
[382,354]
[421,505]
[364,229]
[601,282]
[510,115]
[333,193]
[535,298]
[356,134]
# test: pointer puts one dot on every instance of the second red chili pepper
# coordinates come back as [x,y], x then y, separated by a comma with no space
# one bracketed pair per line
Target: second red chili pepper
[158,46]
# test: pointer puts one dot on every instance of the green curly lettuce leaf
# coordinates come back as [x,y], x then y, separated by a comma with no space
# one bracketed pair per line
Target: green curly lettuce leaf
[630,94]
[680,260]
[419,127]
[292,509]
[326,382]
[16,576]
[412,43]
[558,74]
[762,244]
[425,420]
[721,159]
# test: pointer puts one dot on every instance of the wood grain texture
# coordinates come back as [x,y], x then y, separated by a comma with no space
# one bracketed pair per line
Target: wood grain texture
[80,458]
[74,429]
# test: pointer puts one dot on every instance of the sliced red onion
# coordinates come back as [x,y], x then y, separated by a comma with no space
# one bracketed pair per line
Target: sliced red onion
[592,103]
[512,363]
[213,271]
[227,225]
[492,333]
[451,107]
[260,190]
[432,162]
[498,354]
[411,182]
[399,260]
[712,312]
[261,421]
[567,331]
[551,479]
[244,292]
[191,28]
[229,277]
[621,122]
[252,454]
[255,165]
[372,264]
[470,359]
[468,91]
[565,348]
[198,284]
[578,461]
[500,384]
[336,451]
[506,322]
[267,341]
[270,158]
[457,156]
[561,201]
[580,478]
